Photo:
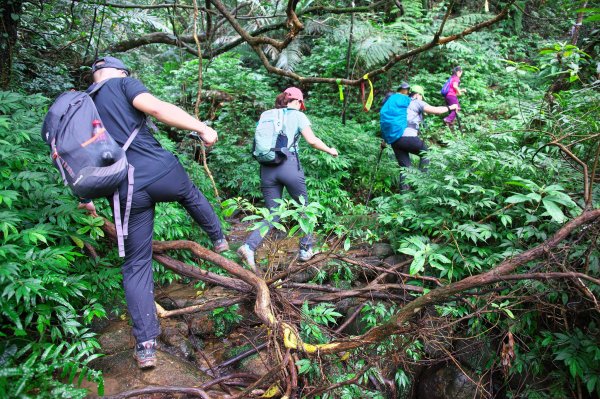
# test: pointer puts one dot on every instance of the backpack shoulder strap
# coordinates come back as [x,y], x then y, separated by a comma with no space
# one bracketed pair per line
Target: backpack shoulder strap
[296,137]
[280,120]
[93,90]
[132,135]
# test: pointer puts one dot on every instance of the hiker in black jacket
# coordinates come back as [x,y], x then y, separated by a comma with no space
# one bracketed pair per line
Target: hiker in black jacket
[123,103]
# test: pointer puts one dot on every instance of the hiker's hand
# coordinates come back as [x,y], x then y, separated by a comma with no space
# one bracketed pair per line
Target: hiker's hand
[463,91]
[383,144]
[209,135]
[89,207]
[453,106]
[333,152]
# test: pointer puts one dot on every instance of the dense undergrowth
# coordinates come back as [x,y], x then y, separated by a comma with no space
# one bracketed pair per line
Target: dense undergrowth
[494,188]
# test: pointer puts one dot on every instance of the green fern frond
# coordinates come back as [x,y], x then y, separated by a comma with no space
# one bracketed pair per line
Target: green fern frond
[412,8]
[361,30]
[290,56]
[459,47]
[375,49]
[404,28]
[142,17]
[458,24]
[315,28]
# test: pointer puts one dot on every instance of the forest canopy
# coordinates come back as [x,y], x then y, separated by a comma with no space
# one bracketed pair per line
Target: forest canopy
[482,271]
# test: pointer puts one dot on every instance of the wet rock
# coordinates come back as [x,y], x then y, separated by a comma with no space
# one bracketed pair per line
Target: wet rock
[346,305]
[201,324]
[382,250]
[249,317]
[116,337]
[177,295]
[394,260]
[390,261]
[437,342]
[175,334]
[475,353]
[357,326]
[447,382]
[256,364]
[121,373]
[304,276]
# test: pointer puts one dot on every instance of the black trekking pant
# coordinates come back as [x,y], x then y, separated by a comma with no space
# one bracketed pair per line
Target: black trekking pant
[405,146]
[273,179]
[138,279]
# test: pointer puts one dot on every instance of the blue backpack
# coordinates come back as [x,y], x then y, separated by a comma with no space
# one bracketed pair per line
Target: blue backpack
[392,117]
[446,87]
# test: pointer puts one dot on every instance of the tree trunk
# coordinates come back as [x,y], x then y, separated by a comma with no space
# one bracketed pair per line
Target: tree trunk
[11,14]
[577,26]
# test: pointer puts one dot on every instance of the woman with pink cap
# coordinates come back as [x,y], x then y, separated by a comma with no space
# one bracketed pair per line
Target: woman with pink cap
[288,174]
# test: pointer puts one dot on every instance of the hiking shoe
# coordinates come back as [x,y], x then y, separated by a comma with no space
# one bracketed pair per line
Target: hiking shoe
[247,256]
[145,354]
[305,255]
[221,245]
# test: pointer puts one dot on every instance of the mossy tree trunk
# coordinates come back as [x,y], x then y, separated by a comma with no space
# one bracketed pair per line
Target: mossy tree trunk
[11,15]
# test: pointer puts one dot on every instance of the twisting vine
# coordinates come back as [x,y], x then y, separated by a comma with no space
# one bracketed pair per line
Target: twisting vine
[198,99]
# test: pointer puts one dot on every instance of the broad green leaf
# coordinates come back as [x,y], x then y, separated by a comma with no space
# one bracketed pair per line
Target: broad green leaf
[554,211]
[517,198]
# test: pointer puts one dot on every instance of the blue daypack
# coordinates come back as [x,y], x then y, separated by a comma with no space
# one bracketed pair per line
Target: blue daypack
[446,87]
[392,117]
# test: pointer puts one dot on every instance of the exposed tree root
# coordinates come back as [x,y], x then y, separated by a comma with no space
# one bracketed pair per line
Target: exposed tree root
[270,296]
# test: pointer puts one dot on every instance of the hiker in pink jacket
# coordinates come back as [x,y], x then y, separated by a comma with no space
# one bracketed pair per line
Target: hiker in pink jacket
[453,92]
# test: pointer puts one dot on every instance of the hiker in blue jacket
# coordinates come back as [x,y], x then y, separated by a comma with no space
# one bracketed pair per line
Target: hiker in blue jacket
[409,142]
[288,174]
[123,103]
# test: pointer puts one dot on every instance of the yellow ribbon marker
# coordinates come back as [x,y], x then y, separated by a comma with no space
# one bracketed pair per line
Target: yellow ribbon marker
[290,340]
[367,105]
[340,88]
[271,392]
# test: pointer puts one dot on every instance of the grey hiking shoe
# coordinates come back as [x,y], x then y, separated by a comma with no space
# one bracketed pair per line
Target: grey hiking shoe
[145,354]
[221,245]
[305,255]
[247,256]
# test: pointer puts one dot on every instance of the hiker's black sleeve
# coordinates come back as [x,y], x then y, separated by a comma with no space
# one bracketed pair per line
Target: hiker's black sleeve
[132,88]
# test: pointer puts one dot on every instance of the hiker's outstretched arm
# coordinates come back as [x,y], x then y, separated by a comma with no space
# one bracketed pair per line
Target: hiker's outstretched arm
[174,116]
[316,142]
[439,110]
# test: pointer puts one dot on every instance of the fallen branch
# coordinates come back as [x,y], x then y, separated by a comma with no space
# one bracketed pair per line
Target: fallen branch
[241,356]
[225,378]
[211,305]
[193,392]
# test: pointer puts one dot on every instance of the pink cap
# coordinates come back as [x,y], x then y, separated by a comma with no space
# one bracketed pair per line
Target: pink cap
[296,94]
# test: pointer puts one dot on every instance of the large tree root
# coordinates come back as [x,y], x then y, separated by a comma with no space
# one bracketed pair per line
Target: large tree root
[247,284]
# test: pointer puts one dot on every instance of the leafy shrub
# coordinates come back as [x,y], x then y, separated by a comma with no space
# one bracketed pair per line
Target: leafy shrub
[50,291]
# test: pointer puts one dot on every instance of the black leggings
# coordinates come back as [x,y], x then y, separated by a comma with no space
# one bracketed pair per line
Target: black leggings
[405,146]
[272,181]
[137,269]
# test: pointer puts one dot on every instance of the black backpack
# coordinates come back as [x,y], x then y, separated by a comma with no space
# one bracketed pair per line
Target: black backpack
[90,161]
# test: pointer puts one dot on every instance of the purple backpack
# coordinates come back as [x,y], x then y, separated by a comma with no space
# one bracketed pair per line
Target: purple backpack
[446,87]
